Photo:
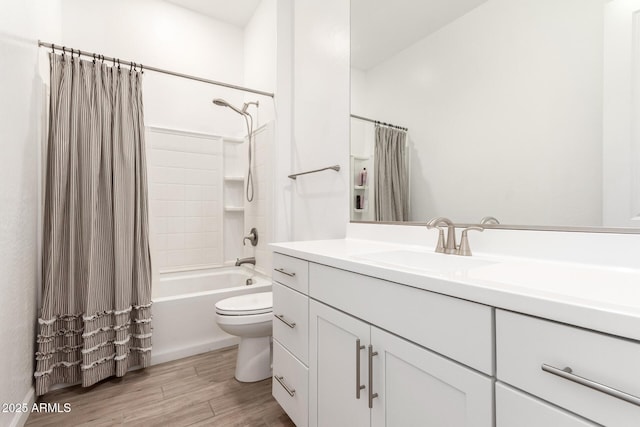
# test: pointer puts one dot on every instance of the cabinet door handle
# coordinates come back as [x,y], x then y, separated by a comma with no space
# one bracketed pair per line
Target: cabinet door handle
[280,379]
[567,373]
[372,395]
[283,271]
[285,321]
[359,386]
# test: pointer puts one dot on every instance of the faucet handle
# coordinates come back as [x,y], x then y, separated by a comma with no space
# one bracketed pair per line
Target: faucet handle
[252,237]
[440,244]
[489,220]
[464,248]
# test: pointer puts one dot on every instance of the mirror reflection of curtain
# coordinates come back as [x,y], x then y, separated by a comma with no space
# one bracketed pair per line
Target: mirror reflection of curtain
[391,177]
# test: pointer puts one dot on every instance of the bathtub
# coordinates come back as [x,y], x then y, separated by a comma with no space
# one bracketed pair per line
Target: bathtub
[184,309]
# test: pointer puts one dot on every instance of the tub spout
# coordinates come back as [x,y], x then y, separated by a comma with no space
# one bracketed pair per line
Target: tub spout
[249,260]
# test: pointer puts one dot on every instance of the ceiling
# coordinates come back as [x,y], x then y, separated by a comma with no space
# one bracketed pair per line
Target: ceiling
[237,12]
[381,28]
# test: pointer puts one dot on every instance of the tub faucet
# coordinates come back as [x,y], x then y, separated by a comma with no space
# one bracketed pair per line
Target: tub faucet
[448,246]
[249,260]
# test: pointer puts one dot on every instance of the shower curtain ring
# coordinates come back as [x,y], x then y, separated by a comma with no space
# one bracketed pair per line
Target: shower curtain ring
[118,64]
[94,59]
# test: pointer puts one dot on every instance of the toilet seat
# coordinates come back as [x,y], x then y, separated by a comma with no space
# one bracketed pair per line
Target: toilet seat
[246,305]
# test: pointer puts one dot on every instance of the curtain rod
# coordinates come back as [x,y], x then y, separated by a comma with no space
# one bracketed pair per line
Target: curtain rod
[379,122]
[147,67]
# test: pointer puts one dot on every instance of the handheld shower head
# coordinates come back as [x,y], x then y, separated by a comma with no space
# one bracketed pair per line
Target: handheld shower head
[222,103]
[248,119]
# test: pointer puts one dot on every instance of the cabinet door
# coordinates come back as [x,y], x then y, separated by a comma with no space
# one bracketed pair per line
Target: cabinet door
[333,339]
[417,387]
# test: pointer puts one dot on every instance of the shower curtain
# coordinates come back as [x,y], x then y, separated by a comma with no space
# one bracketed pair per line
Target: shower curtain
[391,176]
[95,318]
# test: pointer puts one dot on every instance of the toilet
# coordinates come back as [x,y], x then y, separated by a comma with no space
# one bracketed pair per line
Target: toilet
[250,318]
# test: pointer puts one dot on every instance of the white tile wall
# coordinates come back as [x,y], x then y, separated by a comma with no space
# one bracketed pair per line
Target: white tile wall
[186,198]
[235,161]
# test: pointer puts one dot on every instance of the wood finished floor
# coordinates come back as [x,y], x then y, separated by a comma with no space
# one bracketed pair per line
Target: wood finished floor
[195,391]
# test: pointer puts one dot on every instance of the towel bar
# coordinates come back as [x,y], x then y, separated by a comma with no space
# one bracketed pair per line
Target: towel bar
[334,167]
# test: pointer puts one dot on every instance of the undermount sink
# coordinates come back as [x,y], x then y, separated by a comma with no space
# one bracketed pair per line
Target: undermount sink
[425,261]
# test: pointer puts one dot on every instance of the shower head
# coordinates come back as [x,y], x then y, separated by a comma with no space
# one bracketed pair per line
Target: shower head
[222,103]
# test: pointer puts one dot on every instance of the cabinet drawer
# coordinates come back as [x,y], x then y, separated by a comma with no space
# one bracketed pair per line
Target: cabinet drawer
[291,321]
[458,329]
[290,385]
[525,344]
[514,408]
[292,272]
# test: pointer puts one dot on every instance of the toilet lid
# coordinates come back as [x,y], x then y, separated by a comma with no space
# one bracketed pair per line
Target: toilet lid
[257,303]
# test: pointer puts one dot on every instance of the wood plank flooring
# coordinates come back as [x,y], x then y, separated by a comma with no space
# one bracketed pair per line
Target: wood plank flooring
[195,391]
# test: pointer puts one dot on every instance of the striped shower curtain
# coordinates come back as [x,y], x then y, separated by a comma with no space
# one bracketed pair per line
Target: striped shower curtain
[95,318]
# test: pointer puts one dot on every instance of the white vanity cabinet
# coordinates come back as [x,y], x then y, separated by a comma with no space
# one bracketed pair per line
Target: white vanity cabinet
[338,346]
[290,336]
[362,375]
[389,346]
[515,408]
[590,374]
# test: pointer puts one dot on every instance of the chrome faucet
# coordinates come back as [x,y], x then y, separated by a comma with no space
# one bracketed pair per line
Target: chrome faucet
[249,260]
[447,246]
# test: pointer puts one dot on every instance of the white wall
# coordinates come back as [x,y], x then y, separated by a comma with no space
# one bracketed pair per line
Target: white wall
[282,150]
[164,35]
[260,71]
[260,47]
[22,23]
[504,109]
[321,118]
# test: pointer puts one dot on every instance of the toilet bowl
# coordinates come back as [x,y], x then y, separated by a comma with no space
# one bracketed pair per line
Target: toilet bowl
[250,318]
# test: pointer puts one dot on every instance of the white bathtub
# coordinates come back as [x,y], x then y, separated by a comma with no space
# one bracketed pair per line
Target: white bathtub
[184,309]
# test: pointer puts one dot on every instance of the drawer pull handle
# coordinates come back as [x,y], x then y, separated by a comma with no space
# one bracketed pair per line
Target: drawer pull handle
[372,395]
[283,271]
[285,321]
[280,379]
[358,385]
[568,374]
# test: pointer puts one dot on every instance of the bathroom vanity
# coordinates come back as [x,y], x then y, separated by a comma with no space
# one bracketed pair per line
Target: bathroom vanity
[371,333]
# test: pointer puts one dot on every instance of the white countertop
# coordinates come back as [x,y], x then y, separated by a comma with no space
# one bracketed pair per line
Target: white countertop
[593,297]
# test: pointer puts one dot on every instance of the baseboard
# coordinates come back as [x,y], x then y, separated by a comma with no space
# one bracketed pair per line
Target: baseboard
[20,418]
[180,353]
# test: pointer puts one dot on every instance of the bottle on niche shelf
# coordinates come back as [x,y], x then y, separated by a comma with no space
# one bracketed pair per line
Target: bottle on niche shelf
[358,202]
[362,179]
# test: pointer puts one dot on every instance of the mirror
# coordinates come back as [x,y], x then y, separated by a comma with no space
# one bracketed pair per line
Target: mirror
[517,109]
